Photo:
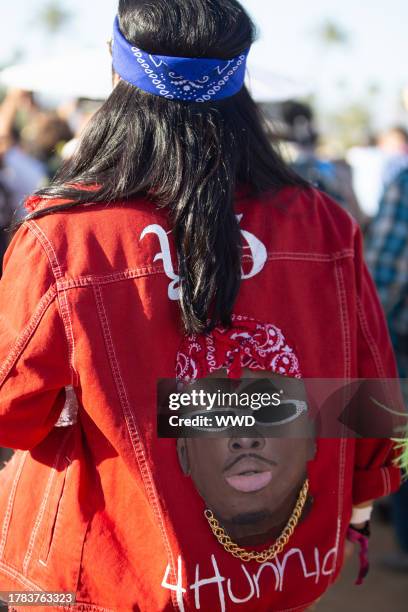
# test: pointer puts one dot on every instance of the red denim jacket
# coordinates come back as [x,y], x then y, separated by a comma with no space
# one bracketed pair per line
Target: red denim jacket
[93,502]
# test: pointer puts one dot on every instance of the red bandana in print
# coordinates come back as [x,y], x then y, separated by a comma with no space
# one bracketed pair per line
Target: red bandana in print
[247,344]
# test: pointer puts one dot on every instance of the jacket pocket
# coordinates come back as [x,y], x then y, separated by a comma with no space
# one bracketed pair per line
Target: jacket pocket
[9,480]
[52,516]
[57,558]
[41,516]
[51,510]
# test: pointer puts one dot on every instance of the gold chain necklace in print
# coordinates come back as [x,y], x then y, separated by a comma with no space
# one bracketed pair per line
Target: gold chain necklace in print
[269,553]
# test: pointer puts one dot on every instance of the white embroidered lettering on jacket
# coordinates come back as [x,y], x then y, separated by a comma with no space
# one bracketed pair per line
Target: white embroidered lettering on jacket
[253,249]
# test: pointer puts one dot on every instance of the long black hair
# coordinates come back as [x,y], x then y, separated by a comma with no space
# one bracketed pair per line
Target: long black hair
[187,157]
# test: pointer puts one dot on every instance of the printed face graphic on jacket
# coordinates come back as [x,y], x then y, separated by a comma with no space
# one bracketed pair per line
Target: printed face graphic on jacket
[251,482]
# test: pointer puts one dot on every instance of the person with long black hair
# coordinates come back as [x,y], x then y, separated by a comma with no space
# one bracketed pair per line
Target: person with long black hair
[177,224]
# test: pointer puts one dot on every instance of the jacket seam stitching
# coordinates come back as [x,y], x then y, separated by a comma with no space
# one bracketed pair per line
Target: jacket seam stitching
[86,281]
[319,257]
[342,303]
[132,427]
[41,511]
[27,333]
[85,606]
[90,280]
[48,248]
[341,292]
[369,339]
[10,504]
[62,295]
[14,573]
[46,545]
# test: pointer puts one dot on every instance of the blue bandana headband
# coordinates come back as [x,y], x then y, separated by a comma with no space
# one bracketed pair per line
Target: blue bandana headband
[177,78]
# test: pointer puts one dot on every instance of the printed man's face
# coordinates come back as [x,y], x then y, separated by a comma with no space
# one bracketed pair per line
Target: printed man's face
[250,484]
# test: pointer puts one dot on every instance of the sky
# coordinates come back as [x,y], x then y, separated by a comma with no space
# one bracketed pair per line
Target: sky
[287,43]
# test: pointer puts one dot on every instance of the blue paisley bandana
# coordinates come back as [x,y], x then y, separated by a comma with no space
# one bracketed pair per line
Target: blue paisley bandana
[177,78]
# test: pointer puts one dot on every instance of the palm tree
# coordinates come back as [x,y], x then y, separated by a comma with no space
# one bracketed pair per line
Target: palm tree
[53,17]
[332,34]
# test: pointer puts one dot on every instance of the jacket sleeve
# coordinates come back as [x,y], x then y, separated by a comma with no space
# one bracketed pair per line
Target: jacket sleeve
[375,472]
[34,363]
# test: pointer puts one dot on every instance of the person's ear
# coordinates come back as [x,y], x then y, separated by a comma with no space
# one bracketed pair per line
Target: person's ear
[183,457]
[115,78]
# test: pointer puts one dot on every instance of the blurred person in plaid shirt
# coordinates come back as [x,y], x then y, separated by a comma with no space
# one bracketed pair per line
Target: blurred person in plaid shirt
[387,257]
